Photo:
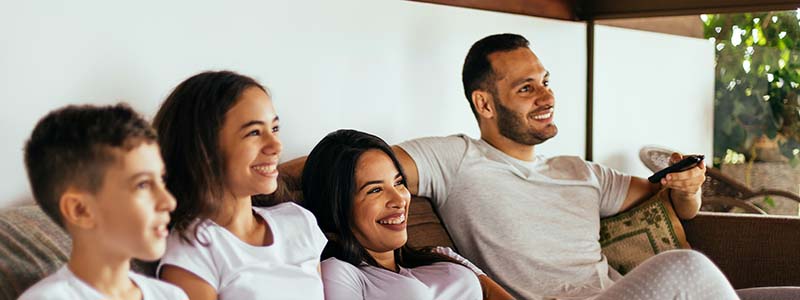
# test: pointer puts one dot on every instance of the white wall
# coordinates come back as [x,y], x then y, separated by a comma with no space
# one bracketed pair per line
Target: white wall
[390,67]
[651,88]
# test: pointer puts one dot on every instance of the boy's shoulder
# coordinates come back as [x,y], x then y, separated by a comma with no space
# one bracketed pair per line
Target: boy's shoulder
[158,289]
[63,285]
[60,285]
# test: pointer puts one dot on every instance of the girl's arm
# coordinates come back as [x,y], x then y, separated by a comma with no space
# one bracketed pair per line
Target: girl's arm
[195,287]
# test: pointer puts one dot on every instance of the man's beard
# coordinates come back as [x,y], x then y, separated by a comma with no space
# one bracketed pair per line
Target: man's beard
[512,125]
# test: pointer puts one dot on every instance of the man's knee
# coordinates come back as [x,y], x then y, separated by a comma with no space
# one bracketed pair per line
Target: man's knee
[686,259]
[684,254]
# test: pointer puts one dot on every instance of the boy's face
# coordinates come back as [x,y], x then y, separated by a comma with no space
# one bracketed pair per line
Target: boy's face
[131,209]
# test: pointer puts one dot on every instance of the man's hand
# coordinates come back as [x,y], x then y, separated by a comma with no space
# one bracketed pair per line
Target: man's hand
[685,187]
[686,182]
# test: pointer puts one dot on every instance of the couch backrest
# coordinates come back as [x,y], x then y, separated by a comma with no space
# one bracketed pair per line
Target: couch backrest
[425,228]
[31,247]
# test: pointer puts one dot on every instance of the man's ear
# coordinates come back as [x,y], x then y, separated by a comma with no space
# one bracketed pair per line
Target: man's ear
[76,209]
[484,104]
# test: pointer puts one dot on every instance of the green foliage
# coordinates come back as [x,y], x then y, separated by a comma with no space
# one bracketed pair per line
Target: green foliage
[769,201]
[757,80]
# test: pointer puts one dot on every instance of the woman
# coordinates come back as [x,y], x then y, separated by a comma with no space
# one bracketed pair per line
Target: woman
[354,185]
[218,133]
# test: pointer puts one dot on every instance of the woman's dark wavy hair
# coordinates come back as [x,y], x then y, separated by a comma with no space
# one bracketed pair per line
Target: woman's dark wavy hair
[188,125]
[329,187]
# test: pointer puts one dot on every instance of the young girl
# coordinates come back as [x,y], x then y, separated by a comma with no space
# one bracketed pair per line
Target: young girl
[218,133]
[355,186]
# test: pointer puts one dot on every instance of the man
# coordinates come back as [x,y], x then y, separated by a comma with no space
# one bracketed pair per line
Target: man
[530,221]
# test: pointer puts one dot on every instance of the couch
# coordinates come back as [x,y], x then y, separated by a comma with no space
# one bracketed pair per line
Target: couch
[752,250]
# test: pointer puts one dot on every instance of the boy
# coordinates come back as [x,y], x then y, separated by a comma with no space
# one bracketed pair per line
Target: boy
[97,172]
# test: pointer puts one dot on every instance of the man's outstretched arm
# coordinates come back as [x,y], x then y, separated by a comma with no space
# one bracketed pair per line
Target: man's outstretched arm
[409,167]
[685,190]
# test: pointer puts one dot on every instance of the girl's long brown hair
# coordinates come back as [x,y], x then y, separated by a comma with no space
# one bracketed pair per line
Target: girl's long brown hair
[188,125]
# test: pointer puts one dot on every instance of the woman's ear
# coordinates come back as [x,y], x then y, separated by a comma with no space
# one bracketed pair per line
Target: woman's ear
[76,209]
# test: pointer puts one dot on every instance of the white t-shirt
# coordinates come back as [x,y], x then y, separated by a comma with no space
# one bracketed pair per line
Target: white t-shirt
[439,281]
[63,284]
[532,226]
[287,269]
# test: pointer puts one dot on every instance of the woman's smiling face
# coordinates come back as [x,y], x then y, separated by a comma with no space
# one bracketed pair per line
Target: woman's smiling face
[380,203]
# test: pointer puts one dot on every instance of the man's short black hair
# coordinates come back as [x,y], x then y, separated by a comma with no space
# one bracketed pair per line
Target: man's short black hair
[478,73]
[72,147]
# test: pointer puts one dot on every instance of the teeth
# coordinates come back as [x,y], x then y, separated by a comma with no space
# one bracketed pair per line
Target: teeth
[265,169]
[161,231]
[393,221]
[545,115]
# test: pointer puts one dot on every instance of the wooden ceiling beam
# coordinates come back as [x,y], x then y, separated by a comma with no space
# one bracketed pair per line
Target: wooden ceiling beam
[614,9]
[576,10]
[554,9]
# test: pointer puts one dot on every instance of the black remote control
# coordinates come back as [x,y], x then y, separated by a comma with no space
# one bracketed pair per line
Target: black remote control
[683,165]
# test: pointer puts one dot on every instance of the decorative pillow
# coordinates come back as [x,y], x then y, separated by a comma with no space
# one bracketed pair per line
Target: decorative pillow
[631,237]
[31,247]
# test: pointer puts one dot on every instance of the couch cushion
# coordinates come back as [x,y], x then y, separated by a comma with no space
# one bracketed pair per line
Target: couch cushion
[631,237]
[32,247]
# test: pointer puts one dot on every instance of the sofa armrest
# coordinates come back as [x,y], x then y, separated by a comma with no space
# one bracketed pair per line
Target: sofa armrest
[752,250]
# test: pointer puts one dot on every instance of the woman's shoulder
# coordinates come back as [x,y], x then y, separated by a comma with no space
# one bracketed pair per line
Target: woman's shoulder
[342,270]
[455,278]
[450,267]
[287,213]
[455,268]
[294,222]
[448,272]
[283,209]
[202,231]
[336,263]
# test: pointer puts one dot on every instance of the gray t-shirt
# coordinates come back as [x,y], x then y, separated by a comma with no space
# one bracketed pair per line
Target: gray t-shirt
[439,281]
[532,226]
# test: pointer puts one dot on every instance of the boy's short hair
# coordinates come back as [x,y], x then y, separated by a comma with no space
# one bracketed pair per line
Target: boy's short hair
[72,147]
